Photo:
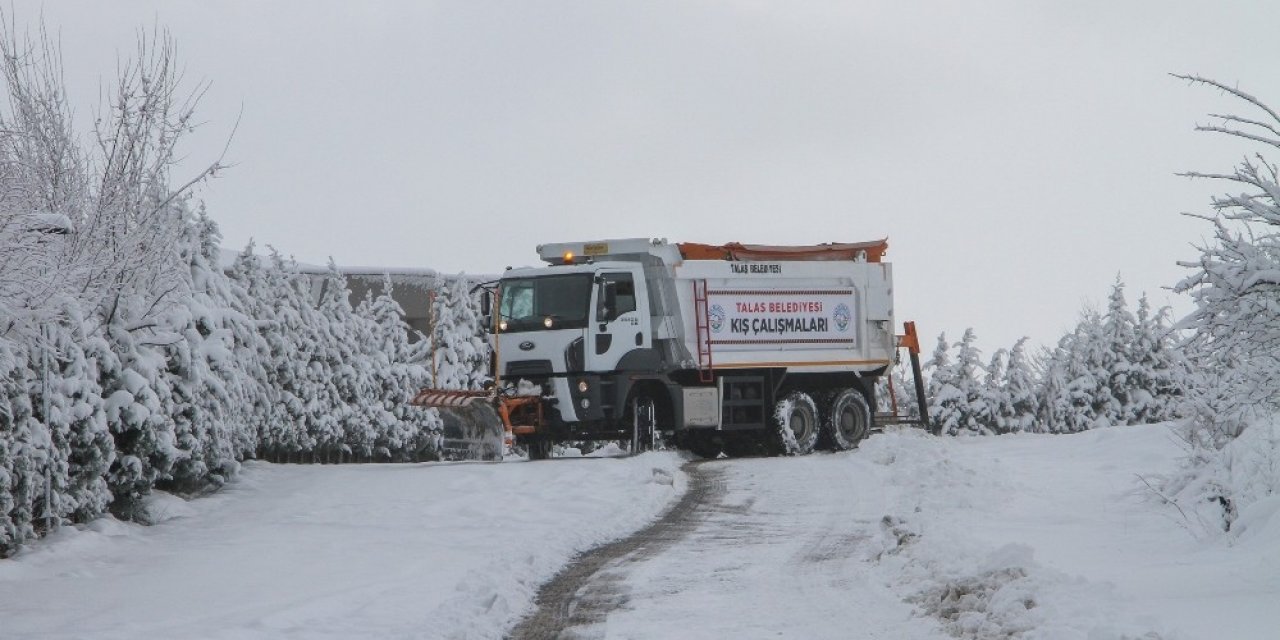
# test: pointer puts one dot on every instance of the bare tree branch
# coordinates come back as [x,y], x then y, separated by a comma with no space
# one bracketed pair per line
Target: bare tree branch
[1195,79]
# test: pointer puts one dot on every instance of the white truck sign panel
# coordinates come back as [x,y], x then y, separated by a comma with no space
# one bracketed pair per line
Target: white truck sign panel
[745,319]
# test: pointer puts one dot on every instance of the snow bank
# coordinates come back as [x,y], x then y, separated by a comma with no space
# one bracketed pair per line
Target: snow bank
[969,532]
[163,507]
[353,551]
[1251,463]
[1231,489]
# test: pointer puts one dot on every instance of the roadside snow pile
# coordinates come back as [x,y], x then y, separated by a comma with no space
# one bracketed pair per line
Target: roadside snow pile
[163,507]
[345,551]
[1234,488]
[609,450]
[958,548]
[1008,594]
[993,600]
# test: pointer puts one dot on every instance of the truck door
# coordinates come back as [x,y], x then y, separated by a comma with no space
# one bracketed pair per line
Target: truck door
[619,321]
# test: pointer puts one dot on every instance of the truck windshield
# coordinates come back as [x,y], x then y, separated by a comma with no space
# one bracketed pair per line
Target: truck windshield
[527,303]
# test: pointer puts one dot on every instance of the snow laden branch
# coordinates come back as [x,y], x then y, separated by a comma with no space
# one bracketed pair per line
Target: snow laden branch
[42,180]
[1260,204]
[137,211]
[1235,282]
[96,223]
[1234,343]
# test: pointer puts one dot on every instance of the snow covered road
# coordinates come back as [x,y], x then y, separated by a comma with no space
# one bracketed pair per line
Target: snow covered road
[909,537]
[758,548]
[914,537]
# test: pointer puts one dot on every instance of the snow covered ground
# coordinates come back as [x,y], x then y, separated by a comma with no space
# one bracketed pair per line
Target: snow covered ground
[1037,536]
[910,536]
[1058,537]
[355,551]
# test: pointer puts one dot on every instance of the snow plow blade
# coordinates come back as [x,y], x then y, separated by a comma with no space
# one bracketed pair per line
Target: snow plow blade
[472,428]
[479,412]
[449,399]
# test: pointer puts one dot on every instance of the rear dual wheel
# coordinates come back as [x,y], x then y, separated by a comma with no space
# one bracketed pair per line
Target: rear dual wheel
[795,424]
[848,419]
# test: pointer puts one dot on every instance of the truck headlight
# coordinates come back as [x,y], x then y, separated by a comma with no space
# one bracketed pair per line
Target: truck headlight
[586,404]
[502,325]
[547,322]
[582,386]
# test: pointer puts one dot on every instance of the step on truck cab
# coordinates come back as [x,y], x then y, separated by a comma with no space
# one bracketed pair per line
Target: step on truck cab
[720,348]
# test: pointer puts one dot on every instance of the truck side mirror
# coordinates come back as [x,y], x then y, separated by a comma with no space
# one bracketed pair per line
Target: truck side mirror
[608,308]
[486,311]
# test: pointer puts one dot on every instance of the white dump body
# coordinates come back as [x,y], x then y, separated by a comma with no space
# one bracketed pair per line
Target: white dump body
[805,316]
[815,315]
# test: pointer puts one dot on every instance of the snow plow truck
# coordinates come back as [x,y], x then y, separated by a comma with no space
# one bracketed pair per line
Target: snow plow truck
[740,349]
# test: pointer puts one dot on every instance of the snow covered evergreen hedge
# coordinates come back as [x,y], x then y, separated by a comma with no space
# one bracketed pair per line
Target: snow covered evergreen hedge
[1113,369]
[164,371]
[240,365]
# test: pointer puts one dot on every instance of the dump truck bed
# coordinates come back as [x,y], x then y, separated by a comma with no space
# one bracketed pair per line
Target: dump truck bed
[806,316]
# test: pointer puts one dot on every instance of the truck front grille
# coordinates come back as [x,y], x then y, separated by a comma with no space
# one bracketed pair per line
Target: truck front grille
[522,368]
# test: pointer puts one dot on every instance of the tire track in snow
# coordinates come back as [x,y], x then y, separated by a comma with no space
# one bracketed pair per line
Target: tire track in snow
[591,586]
[758,548]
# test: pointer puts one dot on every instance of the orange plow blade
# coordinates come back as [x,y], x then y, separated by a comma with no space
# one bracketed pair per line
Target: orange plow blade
[520,415]
[448,398]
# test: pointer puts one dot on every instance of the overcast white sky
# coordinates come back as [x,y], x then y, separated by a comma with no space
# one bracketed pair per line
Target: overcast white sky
[1018,155]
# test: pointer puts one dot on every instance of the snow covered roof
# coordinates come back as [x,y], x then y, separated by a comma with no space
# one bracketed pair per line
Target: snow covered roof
[422,275]
[409,272]
[47,223]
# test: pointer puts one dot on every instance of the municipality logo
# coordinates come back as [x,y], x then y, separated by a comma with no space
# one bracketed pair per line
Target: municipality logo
[717,318]
[842,316]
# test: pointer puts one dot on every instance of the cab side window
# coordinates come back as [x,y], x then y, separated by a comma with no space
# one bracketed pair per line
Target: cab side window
[625,289]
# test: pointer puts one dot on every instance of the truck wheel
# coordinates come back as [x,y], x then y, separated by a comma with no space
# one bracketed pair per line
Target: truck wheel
[848,420]
[643,427]
[795,423]
[540,449]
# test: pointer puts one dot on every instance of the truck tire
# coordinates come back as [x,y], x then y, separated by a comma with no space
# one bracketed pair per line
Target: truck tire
[848,419]
[643,427]
[795,424]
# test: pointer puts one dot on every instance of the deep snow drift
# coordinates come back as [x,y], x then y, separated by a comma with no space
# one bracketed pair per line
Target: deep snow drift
[908,537]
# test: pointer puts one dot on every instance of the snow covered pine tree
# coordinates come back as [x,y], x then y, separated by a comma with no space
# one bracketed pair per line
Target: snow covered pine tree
[956,394]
